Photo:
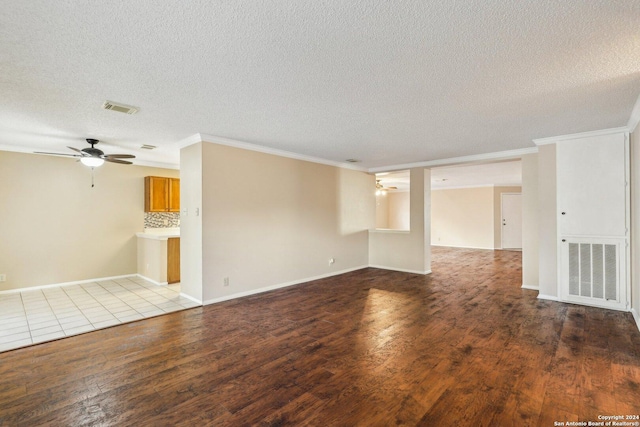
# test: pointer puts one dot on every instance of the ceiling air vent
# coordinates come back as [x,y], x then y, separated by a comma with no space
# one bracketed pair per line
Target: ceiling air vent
[148,147]
[121,108]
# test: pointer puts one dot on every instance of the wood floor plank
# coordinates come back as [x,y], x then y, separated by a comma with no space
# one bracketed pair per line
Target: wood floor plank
[463,346]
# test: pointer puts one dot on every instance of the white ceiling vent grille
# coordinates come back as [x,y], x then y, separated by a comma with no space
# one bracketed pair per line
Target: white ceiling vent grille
[120,108]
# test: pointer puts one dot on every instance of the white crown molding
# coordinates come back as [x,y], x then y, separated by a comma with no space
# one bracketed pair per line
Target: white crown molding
[601,132]
[635,116]
[459,187]
[476,158]
[156,164]
[16,149]
[212,139]
[136,162]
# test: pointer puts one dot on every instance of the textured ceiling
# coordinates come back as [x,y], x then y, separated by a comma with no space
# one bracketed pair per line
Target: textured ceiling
[385,82]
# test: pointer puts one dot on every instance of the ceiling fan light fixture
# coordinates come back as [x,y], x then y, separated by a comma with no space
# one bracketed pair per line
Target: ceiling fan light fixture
[93,162]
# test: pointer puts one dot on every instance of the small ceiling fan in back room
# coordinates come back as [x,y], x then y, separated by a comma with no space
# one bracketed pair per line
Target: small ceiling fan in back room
[94,157]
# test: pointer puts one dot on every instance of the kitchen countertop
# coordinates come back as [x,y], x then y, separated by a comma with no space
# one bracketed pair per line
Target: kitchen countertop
[159,233]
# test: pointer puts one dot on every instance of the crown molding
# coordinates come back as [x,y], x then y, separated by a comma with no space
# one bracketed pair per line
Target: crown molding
[152,164]
[476,158]
[212,139]
[635,116]
[601,132]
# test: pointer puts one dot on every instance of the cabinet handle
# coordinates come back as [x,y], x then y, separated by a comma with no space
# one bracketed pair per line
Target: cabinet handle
[564,240]
[564,213]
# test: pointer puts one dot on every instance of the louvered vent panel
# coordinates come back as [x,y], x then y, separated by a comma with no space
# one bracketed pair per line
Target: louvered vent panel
[611,285]
[574,272]
[598,271]
[593,270]
[585,269]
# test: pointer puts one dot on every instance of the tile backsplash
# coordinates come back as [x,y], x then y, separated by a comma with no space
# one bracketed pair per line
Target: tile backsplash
[161,219]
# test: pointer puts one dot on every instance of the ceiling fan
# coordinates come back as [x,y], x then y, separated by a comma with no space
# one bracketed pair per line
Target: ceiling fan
[381,189]
[94,157]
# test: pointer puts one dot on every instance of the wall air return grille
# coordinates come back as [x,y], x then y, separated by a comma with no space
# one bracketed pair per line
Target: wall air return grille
[593,271]
[120,108]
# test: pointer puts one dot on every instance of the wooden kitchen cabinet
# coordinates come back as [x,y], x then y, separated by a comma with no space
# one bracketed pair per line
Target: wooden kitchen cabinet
[173,260]
[161,194]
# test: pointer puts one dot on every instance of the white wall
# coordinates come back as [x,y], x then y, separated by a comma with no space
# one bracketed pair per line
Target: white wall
[191,221]
[530,229]
[269,221]
[55,228]
[407,250]
[547,222]
[635,224]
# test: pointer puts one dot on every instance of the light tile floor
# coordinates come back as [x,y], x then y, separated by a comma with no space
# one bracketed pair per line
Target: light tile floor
[36,316]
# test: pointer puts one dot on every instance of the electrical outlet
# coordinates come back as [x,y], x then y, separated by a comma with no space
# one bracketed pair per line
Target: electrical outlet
[226,281]
[3,277]
[332,261]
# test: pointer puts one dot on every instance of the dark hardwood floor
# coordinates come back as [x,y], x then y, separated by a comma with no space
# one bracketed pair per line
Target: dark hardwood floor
[465,346]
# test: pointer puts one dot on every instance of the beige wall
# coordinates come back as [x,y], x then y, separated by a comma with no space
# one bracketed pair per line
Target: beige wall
[55,228]
[547,222]
[497,212]
[152,259]
[407,250]
[463,217]
[382,211]
[635,223]
[530,229]
[269,220]
[393,211]
[399,211]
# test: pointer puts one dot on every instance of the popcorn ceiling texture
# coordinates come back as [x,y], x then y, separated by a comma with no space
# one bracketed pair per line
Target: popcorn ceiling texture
[161,219]
[386,82]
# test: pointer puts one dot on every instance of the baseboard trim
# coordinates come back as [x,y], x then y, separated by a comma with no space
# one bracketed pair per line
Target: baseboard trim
[402,270]
[531,288]
[464,247]
[636,316]
[189,297]
[548,297]
[152,281]
[56,285]
[279,286]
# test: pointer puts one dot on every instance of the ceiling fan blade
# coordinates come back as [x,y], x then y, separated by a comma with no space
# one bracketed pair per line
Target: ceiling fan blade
[82,153]
[119,156]
[56,154]
[123,162]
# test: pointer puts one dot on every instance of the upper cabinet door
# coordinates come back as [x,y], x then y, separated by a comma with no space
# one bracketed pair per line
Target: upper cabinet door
[161,194]
[592,186]
[174,195]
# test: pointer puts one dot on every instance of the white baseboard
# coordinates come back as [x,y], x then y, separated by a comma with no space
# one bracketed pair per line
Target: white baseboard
[464,247]
[279,286]
[532,288]
[402,270]
[197,301]
[548,297]
[56,285]
[636,316]
[152,281]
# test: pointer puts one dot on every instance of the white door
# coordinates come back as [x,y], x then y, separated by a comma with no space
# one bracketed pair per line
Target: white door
[593,220]
[511,221]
